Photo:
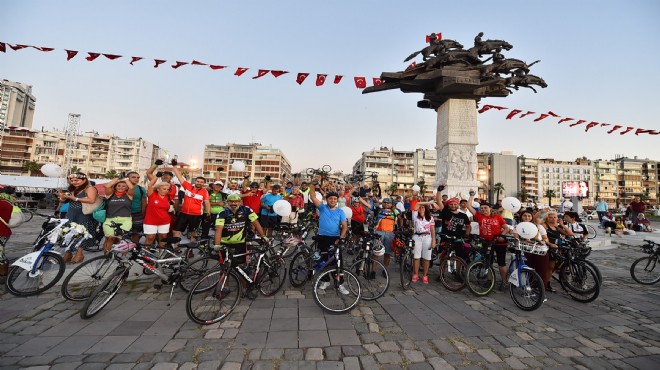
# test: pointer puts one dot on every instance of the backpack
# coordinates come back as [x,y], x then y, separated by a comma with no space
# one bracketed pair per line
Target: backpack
[99,214]
[16,218]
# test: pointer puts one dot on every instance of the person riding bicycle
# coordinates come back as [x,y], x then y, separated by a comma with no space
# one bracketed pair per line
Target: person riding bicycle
[332,227]
[268,218]
[231,229]
[491,227]
[454,223]
[387,219]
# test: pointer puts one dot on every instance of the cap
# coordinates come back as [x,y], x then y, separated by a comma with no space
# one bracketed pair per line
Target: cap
[452,200]
[219,183]
[254,184]
[388,200]
[331,194]
[234,197]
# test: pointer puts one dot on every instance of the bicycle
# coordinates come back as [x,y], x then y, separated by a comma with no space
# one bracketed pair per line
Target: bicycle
[372,274]
[324,171]
[452,267]
[38,271]
[480,274]
[644,270]
[525,285]
[215,295]
[578,279]
[304,264]
[341,290]
[404,240]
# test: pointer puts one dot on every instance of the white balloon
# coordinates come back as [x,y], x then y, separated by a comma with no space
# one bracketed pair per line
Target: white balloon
[526,230]
[51,170]
[238,166]
[319,196]
[347,211]
[568,204]
[476,205]
[511,204]
[416,187]
[282,208]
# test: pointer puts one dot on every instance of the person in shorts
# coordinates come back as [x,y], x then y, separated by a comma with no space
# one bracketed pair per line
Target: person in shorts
[268,219]
[157,217]
[195,204]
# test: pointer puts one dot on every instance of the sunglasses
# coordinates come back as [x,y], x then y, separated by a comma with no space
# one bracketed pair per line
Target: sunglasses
[77,176]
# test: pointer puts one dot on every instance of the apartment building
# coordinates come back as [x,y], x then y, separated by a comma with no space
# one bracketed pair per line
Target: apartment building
[552,173]
[497,168]
[260,161]
[16,104]
[636,177]
[15,150]
[606,184]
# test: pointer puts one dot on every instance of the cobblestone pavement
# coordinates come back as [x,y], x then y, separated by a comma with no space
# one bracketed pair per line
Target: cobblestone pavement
[425,328]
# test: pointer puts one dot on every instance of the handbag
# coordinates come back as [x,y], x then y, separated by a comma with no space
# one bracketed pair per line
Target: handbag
[89,208]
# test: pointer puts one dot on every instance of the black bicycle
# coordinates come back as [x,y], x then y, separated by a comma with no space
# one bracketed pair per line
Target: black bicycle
[645,270]
[371,273]
[324,171]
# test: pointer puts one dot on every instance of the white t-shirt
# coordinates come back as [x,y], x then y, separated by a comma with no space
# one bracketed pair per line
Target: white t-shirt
[422,226]
[467,212]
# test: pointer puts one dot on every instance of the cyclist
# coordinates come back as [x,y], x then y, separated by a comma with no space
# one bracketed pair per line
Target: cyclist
[424,238]
[217,202]
[5,232]
[491,227]
[138,205]
[119,198]
[387,219]
[454,223]
[231,228]
[332,227]
[196,203]
[572,220]
[268,218]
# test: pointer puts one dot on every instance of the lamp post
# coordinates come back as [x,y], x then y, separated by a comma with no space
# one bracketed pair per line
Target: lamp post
[482,175]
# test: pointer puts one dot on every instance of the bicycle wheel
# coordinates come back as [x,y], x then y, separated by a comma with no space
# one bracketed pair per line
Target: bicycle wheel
[331,299]
[96,246]
[83,280]
[299,269]
[23,283]
[406,270]
[373,277]
[104,293]
[592,232]
[272,277]
[452,273]
[480,278]
[193,270]
[326,168]
[530,293]
[581,281]
[27,215]
[645,270]
[310,171]
[213,297]
[596,270]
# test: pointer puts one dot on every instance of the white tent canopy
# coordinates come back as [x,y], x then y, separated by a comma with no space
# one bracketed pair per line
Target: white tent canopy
[32,184]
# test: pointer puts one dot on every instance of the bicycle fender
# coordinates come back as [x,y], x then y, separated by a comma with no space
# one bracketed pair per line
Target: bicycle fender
[28,261]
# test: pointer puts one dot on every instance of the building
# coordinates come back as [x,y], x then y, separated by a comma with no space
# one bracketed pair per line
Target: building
[501,169]
[552,173]
[260,161]
[16,150]
[529,178]
[16,104]
[636,177]
[606,184]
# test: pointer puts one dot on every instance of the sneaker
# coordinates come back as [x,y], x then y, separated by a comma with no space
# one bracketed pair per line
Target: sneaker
[415,278]
[251,295]
[324,285]
[425,279]
[372,275]
[343,290]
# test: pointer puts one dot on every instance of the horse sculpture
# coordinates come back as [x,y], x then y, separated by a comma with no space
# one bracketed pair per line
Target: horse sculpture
[436,48]
[489,47]
[524,80]
[453,57]
[509,66]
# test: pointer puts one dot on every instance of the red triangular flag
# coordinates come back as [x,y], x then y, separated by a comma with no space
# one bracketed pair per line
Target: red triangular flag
[70,54]
[261,73]
[338,79]
[178,64]
[112,56]
[553,114]
[411,66]
[564,120]
[3,47]
[277,74]
[489,107]
[377,81]
[320,79]
[590,125]
[93,56]
[240,71]
[158,62]
[616,127]
[42,48]
[627,130]
[301,78]
[527,114]
[604,124]
[17,46]
[513,113]
[214,67]
[542,116]
[135,59]
[644,131]
[577,123]
[196,63]
[360,82]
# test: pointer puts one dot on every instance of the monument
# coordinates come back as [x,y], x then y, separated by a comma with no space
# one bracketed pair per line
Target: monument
[453,80]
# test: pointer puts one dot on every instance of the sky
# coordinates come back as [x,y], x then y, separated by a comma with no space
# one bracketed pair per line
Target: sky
[599,59]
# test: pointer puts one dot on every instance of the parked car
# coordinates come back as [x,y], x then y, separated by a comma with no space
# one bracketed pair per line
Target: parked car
[589,215]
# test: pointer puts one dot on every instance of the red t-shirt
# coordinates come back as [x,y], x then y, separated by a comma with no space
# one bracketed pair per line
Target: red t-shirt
[157,211]
[638,206]
[193,201]
[5,214]
[253,201]
[358,213]
[489,226]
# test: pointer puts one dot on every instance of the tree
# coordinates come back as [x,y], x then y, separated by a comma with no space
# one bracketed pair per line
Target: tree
[498,188]
[75,169]
[31,166]
[111,174]
[523,195]
[549,193]
[392,188]
[422,186]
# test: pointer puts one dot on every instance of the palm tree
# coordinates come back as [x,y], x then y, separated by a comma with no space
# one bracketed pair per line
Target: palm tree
[111,174]
[523,195]
[422,186]
[549,193]
[392,188]
[498,188]
[75,169]
[31,166]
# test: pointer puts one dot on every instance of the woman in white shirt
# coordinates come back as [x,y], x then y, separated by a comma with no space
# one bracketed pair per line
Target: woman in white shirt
[424,238]
[541,264]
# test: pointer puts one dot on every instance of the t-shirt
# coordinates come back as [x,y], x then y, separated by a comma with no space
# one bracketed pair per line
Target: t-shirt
[216,197]
[453,224]
[489,226]
[254,200]
[386,219]
[422,226]
[118,206]
[358,213]
[329,220]
[268,200]
[5,214]
[157,212]
[637,206]
[296,201]
[467,212]
[193,199]
[234,225]
[138,195]
[601,206]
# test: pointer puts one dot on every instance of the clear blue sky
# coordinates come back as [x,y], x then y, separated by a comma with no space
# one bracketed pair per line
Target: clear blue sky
[599,58]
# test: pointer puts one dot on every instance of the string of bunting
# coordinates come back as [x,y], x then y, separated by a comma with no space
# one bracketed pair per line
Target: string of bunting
[360,81]
[571,122]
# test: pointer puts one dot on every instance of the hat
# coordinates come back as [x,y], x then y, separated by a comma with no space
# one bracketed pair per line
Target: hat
[254,184]
[168,173]
[388,200]
[234,197]
[218,183]
[452,200]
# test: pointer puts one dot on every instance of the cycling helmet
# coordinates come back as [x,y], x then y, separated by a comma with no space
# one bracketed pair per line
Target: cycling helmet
[331,194]
[378,249]
[254,184]
[234,197]
[388,200]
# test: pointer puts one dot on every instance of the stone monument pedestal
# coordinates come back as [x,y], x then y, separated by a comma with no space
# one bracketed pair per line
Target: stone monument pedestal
[456,142]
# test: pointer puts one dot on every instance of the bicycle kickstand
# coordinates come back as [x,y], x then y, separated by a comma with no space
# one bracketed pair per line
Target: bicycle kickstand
[169,301]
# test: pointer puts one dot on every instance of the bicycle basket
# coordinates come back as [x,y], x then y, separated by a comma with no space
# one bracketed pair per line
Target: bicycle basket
[533,247]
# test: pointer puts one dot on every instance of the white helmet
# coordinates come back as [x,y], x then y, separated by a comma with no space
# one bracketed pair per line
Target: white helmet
[378,248]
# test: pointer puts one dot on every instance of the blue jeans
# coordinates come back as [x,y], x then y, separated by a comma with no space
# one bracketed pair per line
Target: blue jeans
[387,240]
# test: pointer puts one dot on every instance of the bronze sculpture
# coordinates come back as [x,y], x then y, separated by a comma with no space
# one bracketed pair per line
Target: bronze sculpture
[448,71]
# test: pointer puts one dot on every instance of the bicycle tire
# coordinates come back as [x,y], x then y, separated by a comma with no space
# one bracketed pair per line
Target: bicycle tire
[310,172]
[273,277]
[591,232]
[649,266]
[326,168]
[531,290]
[29,216]
[480,279]
[577,282]
[21,284]
[324,297]
[83,280]
[452,273]
[596,270]
[299,269]
[104,293]
[372,282]
[213,297]
[406,270]
[194,269]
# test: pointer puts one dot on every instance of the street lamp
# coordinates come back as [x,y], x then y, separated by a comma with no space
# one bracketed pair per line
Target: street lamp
[482,175]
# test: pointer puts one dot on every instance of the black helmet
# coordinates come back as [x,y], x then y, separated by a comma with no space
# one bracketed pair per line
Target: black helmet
[331,194]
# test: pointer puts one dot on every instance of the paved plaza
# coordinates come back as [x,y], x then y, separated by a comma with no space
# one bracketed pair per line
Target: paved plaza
[425,328]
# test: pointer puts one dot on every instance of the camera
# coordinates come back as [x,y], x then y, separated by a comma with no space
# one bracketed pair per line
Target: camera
[472,193]
[159,174]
